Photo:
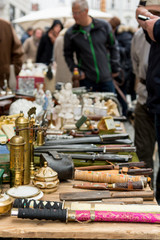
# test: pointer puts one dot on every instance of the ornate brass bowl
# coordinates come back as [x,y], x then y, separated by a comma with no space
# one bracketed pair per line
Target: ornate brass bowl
[5,203]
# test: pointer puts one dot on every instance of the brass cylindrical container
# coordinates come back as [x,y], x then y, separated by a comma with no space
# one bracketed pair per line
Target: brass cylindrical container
[22,123]
[16,177]
[40,137]
[17,160]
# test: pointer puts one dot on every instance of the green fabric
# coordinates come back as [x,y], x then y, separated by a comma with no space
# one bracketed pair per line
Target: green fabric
[111,38]
[5,165]
[109,65]
[1,177]
[94,58]
[92,50]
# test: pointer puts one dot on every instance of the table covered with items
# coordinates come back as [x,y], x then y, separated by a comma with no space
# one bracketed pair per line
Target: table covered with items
[69,170]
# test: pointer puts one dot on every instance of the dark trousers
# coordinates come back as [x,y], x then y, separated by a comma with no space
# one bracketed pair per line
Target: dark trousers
[157,125]
[145,136]
[106,86]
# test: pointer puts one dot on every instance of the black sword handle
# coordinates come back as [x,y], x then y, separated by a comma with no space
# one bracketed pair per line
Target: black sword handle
[25,203]
[47,214]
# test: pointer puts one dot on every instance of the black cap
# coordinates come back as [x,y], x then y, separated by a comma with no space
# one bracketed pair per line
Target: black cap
[142,2]
[55,22]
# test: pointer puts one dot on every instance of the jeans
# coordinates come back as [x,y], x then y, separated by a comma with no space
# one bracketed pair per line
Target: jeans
[106,86]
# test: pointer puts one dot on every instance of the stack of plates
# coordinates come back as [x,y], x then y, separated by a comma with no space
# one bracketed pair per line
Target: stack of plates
[25,191]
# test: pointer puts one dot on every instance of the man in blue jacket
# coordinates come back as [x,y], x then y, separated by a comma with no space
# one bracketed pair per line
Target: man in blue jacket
[96,49]
[151,9]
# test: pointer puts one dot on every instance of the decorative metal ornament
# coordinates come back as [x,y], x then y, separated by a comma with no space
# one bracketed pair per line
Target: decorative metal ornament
[46,174]
[46,179]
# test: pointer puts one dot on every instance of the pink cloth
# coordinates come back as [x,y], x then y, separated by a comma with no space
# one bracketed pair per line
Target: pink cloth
[106,216]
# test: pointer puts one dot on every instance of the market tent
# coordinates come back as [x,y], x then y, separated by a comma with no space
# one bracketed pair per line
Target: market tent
[44,18]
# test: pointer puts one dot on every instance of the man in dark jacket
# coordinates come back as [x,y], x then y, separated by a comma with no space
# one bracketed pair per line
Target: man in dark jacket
[45,48]
[96,50]
[152,29]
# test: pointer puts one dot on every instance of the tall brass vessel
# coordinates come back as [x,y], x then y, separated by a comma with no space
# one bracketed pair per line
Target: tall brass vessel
[22,125]
[17,160]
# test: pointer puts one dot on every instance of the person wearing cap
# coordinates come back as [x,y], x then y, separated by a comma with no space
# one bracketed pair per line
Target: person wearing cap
[45,48]
[93,42]
[151,9]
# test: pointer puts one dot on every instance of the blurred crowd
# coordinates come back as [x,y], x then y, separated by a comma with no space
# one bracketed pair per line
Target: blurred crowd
[103,56]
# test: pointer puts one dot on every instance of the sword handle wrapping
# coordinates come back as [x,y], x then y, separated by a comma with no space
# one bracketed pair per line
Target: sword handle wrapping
[47,214]
[25,203]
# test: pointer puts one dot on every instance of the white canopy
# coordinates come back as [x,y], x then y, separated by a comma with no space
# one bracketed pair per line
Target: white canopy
[44,18]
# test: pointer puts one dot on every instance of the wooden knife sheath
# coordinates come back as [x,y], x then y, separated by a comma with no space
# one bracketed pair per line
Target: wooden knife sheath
[99,195]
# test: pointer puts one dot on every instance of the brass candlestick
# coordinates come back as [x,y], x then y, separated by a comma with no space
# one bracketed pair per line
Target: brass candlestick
[31,143]
[40,137]
[32,124]
[51,124]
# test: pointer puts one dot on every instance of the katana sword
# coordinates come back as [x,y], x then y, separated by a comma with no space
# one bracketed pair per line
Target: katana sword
[66,215]
[85,205]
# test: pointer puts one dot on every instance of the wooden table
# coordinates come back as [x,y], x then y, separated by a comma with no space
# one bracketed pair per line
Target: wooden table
[5,102]
[11,227]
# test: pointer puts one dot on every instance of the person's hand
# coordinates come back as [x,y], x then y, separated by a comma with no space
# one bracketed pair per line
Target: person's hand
[143,11]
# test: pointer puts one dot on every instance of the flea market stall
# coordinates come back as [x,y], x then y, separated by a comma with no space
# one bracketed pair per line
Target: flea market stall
[69,170]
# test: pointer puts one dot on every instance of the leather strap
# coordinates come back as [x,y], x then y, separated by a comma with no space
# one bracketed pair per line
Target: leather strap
[130,185]
[55,155]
